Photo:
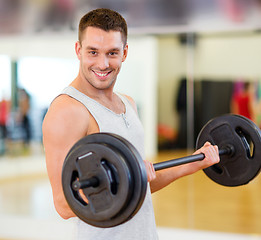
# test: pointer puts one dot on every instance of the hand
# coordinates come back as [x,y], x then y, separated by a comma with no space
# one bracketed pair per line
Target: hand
[151,174]
[211,155]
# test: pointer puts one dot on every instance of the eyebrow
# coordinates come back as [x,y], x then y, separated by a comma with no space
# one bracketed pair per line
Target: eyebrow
[114,50]
[110,50]
[91,48]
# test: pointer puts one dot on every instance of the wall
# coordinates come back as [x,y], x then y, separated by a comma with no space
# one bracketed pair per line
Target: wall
[38,45]
[171,67]
[229,56]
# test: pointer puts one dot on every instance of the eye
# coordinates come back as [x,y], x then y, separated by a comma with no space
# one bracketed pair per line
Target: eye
[113,53]
[92,53]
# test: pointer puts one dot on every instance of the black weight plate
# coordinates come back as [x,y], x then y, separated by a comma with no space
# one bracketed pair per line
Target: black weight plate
[245,138]
[89,161]
[137,189]
[139,178]
[137,167]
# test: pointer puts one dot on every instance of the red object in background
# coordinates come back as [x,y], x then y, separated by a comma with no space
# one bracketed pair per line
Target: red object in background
[3,112]
[166,132]
[243,103]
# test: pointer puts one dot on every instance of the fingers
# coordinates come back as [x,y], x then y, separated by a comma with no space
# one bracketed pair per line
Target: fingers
[207,144]
[211,154]
[151,174]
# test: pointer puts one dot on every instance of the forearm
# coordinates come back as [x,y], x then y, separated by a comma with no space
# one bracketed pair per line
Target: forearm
[63,208]
[166,176]
[60,203]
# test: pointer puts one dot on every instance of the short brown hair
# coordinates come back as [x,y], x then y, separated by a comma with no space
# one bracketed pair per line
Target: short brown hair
[105,19]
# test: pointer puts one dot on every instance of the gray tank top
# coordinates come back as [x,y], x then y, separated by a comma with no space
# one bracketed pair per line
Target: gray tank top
[142,225]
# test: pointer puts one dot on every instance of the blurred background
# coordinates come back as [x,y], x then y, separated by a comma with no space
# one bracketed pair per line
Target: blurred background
[189,61]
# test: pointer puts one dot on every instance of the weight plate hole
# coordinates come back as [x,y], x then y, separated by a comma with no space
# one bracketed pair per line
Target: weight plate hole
[77,195]
[247,142]
[217,169]
[112,175]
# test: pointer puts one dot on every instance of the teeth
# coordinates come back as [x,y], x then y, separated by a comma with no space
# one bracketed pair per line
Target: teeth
[101,74]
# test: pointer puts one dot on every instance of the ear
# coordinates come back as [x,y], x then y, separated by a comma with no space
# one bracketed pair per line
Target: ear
[78,49]
[125,52]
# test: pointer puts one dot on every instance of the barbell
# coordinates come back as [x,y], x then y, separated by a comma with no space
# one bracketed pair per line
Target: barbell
[110,172]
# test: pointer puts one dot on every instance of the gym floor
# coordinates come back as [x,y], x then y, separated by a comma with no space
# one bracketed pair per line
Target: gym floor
[191,208]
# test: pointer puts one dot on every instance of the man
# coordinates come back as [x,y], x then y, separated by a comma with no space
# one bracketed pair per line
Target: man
[89,105]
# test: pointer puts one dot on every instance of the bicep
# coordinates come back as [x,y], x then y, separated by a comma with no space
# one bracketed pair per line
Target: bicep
[61,130]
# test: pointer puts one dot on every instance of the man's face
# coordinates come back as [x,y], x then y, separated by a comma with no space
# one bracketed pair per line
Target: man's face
[101,54]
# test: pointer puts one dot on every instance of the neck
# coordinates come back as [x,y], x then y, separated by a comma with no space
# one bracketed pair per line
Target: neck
[86,88]
[105,97]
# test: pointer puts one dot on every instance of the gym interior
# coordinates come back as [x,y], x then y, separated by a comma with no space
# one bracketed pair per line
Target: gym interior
[187,61]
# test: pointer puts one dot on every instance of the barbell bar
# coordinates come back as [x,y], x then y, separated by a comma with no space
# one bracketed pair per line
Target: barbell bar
[94,181]
[188,159]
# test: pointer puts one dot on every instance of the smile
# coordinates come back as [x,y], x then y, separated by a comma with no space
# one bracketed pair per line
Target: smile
[102,74]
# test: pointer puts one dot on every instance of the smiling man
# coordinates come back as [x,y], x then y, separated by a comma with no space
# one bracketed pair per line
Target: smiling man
[90,105]
[101,56]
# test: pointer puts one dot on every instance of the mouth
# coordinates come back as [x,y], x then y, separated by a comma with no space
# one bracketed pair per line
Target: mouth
[102,75]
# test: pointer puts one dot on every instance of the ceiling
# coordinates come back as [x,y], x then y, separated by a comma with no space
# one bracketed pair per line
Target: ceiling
[143,16]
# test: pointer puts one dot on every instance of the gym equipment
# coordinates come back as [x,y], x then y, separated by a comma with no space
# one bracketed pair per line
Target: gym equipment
[108,171]
[242,136]
[112,176]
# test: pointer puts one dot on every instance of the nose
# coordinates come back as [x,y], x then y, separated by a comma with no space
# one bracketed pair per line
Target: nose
[103,62]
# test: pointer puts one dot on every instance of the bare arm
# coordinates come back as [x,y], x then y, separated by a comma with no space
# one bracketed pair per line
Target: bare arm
[64,124]
[167,176]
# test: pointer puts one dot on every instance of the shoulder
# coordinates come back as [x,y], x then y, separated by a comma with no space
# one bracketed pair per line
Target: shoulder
[66,106]
[66,115]
[131,101]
